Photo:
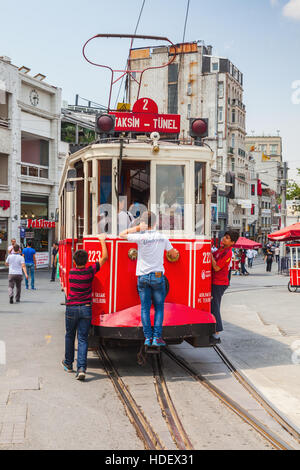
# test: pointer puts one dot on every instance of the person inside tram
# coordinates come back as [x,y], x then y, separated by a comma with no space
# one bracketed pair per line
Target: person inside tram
[150,273]
[125,217]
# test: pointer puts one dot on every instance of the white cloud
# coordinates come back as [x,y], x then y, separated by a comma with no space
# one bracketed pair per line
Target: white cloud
[292,9]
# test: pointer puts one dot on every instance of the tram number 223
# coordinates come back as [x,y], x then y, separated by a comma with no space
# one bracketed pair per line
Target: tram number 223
[94,256]
[206,258]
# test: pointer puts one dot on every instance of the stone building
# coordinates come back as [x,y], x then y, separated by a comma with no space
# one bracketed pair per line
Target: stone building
[200,85]
[31,156]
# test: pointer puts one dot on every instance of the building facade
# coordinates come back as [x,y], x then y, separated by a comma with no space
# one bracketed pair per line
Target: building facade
[200,85]
[31,158]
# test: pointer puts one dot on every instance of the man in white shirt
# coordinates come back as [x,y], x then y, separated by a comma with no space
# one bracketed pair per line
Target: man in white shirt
[250,257]
[150,272]
[16,265]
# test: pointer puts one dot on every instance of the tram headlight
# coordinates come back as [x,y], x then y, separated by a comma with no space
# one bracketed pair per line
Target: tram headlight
[105,123]
[198,128]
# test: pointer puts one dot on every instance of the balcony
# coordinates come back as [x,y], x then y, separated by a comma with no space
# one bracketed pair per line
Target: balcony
[230,151]
[34,171]
[235,102]
[4,122]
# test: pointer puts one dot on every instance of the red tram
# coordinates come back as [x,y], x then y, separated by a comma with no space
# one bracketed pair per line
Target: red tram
[116,179]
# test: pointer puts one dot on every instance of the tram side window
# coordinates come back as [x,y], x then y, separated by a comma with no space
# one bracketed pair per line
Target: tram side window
[104,211]
[79,200]
[170,196]
[199,198]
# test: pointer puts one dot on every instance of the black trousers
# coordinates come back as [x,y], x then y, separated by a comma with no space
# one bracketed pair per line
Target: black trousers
[269,266]
[217,293]
[53,273]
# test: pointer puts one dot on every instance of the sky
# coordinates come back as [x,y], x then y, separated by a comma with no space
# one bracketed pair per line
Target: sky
[261,38]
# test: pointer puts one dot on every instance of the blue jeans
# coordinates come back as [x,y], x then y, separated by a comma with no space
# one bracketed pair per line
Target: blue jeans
[78,318]
[152,289]
[217,293]
[30,270]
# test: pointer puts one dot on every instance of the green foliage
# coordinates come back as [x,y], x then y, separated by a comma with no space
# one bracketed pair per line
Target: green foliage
[68,134]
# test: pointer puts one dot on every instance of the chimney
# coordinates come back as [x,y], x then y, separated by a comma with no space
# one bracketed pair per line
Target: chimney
[209,50]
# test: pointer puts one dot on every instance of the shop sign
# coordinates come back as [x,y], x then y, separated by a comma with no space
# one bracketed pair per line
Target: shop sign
[4,204]
[40,223]
[42,259]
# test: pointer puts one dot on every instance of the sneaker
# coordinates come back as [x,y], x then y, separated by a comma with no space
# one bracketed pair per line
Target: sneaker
[214,339]
[11,300]
[66,367]
[158,342]
[33,288]
[80,375]
[148,342]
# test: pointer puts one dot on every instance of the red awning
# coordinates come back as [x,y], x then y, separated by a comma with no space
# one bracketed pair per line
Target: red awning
[246,244]
[292,232]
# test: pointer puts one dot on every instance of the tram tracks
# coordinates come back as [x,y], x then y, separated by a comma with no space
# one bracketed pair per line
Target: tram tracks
[272,438]
[147,432]
[136,416]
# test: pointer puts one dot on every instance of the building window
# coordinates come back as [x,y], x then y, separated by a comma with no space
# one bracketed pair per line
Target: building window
[233,140]
[220,140]
[35,158]
[273,149]
[233,116]
[220,164]
[173,88]
[189,107]
[221,89]
[215,66]
[3,169]
[262,147]
[220,114]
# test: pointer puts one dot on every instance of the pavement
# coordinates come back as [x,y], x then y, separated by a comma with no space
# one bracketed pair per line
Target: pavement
[262,336]
[42,407]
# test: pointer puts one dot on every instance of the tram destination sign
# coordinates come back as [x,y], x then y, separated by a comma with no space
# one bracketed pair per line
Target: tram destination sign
[147,122]
[144,117]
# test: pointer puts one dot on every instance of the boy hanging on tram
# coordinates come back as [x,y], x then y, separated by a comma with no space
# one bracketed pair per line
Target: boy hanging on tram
[79,308]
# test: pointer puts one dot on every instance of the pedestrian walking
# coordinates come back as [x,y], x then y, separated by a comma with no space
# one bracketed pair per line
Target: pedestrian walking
[277,254]
[79,309]
[244,271]
[220,266]
[250,257]
[150,273]
[30,262]
[16,265]
[53,261]
[269,260]
[11,247]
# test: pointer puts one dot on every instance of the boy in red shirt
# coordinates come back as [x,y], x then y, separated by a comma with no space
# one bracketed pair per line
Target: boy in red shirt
[220,269]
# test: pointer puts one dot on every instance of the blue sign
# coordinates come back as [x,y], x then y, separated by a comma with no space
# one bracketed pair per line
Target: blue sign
[22,232]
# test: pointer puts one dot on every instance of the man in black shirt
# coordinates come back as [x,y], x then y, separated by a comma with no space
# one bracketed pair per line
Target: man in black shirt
[54,260]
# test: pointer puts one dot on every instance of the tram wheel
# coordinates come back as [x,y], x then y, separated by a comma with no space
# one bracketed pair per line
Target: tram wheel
[292,288]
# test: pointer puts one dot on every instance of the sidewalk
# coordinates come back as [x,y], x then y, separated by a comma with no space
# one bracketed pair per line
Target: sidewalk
[262,336]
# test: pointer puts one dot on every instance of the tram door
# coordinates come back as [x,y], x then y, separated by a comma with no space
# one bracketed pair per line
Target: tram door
[134,193]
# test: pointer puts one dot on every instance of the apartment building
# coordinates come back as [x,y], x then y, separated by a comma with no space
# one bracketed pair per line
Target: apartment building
[31,158]
[199,84]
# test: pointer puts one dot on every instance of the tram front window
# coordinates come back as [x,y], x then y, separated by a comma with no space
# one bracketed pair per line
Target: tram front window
[134,193]
[170,196]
